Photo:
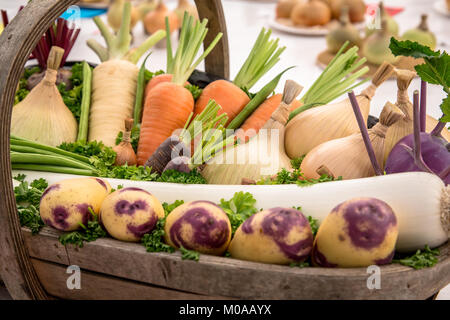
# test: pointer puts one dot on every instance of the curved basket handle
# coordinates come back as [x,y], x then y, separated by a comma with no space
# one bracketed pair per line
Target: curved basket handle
[217,62]
[17,41]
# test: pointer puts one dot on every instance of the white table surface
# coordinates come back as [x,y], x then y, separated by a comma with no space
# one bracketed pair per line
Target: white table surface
[244,21]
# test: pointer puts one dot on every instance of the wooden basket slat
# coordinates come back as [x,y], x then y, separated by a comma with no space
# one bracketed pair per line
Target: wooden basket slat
[226,277]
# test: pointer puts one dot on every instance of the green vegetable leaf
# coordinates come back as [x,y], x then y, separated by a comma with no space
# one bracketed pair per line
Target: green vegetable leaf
[194,90]
[304,264]
[88,233]
[239,208]
[149,75]
[411,49]
[421,259]
[189,254]
[314,223]
[435,70]
[168,208]
[174,176]
[445,106]
[28,197]
[154,241]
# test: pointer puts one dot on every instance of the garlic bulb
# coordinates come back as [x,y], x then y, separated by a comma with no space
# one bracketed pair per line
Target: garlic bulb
[320,124]
[42,116]
[263,156]
[347,157]
[124,150]
[404,126]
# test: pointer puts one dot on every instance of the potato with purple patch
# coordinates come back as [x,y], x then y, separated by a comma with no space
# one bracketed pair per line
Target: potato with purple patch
[129,213]
[357,233]
[198,225]
[277,235]
[65,204]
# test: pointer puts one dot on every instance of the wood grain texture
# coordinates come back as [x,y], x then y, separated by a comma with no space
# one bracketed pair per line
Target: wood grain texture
[226,277]
[218,61]
[96,286]
[17,41]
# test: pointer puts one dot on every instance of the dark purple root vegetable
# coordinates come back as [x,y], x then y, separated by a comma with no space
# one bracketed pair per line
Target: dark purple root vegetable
[63,77]
[180,164]
[421,151]
[170,149]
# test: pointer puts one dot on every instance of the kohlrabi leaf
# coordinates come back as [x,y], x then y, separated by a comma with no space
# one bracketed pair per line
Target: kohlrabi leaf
[435,70]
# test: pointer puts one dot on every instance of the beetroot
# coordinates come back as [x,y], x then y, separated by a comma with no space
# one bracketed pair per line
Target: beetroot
[421,151]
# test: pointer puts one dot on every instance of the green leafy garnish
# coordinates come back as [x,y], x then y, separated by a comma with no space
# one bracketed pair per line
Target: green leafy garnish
[194,90]
[154,241]
[189,254]
[28,197]
[168,208]
[22,90]
[295,176]
[304,264]
[174,176]
[421,259]
[435,70]
[314,223]
[149,75]
[134,138]
[239,208]
[89,233]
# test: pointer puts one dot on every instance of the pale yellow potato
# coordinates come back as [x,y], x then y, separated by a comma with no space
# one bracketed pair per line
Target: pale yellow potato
[65,204]
[277,235]
[129,213]
[198,225]
[357,233]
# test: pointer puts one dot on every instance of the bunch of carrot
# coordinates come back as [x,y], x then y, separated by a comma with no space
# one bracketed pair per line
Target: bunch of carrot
[232,96]
[168,104]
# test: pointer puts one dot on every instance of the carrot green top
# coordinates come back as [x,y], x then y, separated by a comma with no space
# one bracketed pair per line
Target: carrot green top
[191,38]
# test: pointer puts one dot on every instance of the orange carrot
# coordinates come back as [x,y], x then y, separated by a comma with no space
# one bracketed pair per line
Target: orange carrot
[169,105]
[165,77]
[229,96]
[261,115]
[166,109]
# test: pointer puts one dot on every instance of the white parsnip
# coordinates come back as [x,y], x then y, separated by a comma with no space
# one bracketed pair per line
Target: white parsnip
[114,81]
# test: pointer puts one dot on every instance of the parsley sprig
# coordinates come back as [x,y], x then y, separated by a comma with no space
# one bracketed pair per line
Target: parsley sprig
[421,259]
[239,208]
[154,241]
[28,197]
[89,233]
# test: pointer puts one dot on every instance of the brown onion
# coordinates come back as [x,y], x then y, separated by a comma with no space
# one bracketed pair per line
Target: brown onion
[311,13]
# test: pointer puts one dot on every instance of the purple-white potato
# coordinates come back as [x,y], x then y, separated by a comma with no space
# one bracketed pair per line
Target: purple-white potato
[198,225]
[277,235]
[129,213]
[357,233]
[65,204]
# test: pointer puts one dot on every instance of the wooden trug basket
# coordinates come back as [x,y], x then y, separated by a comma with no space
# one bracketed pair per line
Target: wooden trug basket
[34,267]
